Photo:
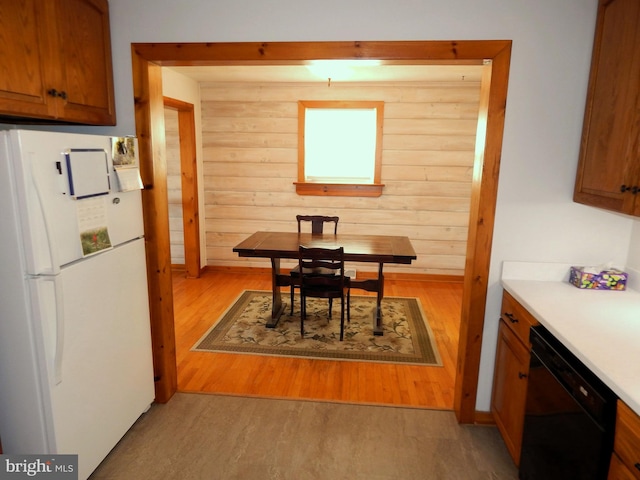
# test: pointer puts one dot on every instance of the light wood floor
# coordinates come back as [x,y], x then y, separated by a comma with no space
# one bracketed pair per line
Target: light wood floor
[198,303]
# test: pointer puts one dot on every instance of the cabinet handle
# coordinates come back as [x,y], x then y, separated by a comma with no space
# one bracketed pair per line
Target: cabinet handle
[522,375]
[635,189]
[55,93]
[511,317]
[637,465]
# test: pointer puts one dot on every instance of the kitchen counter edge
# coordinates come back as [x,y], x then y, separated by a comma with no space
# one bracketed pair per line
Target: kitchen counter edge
[601,328]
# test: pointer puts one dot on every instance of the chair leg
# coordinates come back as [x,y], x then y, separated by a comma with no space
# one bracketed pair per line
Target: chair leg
[292,291]
[349,305]
[330,306]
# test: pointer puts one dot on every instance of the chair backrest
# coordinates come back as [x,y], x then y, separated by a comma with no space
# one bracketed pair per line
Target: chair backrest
[325,261]
[317,223]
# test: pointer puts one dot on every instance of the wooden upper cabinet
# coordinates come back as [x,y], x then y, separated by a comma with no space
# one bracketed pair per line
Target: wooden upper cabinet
[55,61]
[22,60]
[85,57]
[609,167]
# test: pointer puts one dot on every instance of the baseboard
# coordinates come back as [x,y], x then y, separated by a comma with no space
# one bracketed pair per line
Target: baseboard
[483,418]
[415,277]
[238,270]
[181,269]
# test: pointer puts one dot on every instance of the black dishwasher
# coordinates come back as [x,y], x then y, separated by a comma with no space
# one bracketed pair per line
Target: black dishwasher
[569,416]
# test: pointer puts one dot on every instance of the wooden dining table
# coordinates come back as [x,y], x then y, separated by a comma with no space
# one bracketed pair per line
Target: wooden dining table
[378,249]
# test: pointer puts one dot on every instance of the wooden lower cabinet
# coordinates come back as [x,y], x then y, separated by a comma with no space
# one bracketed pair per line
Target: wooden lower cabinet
[618,470]
[625,461]
[511,373]
[510,389]
[510,382]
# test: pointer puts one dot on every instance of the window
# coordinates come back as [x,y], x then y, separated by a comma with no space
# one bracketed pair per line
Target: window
[339,148]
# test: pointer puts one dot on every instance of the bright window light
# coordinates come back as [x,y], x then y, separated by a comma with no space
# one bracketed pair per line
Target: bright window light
[340,145]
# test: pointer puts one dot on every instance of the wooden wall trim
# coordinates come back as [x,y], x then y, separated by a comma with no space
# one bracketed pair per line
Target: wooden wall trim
[149,112]
[485,182]
[189,183]
[264,53]
[483,203]
[484,418]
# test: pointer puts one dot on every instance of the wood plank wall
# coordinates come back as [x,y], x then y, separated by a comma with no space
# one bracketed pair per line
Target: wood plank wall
[250,146]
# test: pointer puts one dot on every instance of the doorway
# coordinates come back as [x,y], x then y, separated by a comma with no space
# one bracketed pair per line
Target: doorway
[184,217]
[494,54]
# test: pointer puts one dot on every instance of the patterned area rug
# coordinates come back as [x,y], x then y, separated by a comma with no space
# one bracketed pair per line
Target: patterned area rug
[407,336]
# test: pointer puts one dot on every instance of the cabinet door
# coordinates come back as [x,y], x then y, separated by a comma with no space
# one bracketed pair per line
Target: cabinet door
[618,470]
[510,389]
[84,53]
[608,169]
[627,440]
[55,61]
[23,60]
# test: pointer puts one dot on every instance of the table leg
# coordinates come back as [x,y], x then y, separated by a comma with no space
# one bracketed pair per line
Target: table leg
[277,307]
[377,319]
[374,285]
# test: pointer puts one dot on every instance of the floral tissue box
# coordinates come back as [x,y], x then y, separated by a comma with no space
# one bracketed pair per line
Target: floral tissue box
[611,279]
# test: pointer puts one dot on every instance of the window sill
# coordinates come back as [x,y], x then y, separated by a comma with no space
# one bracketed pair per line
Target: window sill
[339,189]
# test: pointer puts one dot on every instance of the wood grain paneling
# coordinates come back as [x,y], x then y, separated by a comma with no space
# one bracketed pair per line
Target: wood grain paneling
[250,164]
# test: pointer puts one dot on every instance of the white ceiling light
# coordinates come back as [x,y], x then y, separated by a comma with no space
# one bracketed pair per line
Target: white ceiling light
[338,69]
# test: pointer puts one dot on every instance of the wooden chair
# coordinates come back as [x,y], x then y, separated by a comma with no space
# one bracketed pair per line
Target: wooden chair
[317,228]
[323,285]
[317,223]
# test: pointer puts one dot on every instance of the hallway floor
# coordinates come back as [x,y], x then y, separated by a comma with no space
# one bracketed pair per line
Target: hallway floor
[205,436]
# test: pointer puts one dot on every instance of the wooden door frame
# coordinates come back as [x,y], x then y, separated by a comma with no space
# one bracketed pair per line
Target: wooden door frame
[189,184]
[149,58]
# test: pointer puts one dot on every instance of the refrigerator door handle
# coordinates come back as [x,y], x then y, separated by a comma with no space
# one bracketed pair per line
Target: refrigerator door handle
[46,216]
[59,327]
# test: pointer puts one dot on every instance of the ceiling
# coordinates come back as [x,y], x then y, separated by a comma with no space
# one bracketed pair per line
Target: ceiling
[338,71]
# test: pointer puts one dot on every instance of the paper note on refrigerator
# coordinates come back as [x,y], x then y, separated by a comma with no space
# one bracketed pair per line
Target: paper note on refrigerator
[128,178]
[92,223]
[124,151]
[124,155]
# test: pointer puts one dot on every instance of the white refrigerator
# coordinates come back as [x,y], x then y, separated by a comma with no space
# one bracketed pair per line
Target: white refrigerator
[75,345]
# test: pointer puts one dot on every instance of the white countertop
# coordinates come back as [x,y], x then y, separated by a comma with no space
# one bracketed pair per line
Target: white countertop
[601,328]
